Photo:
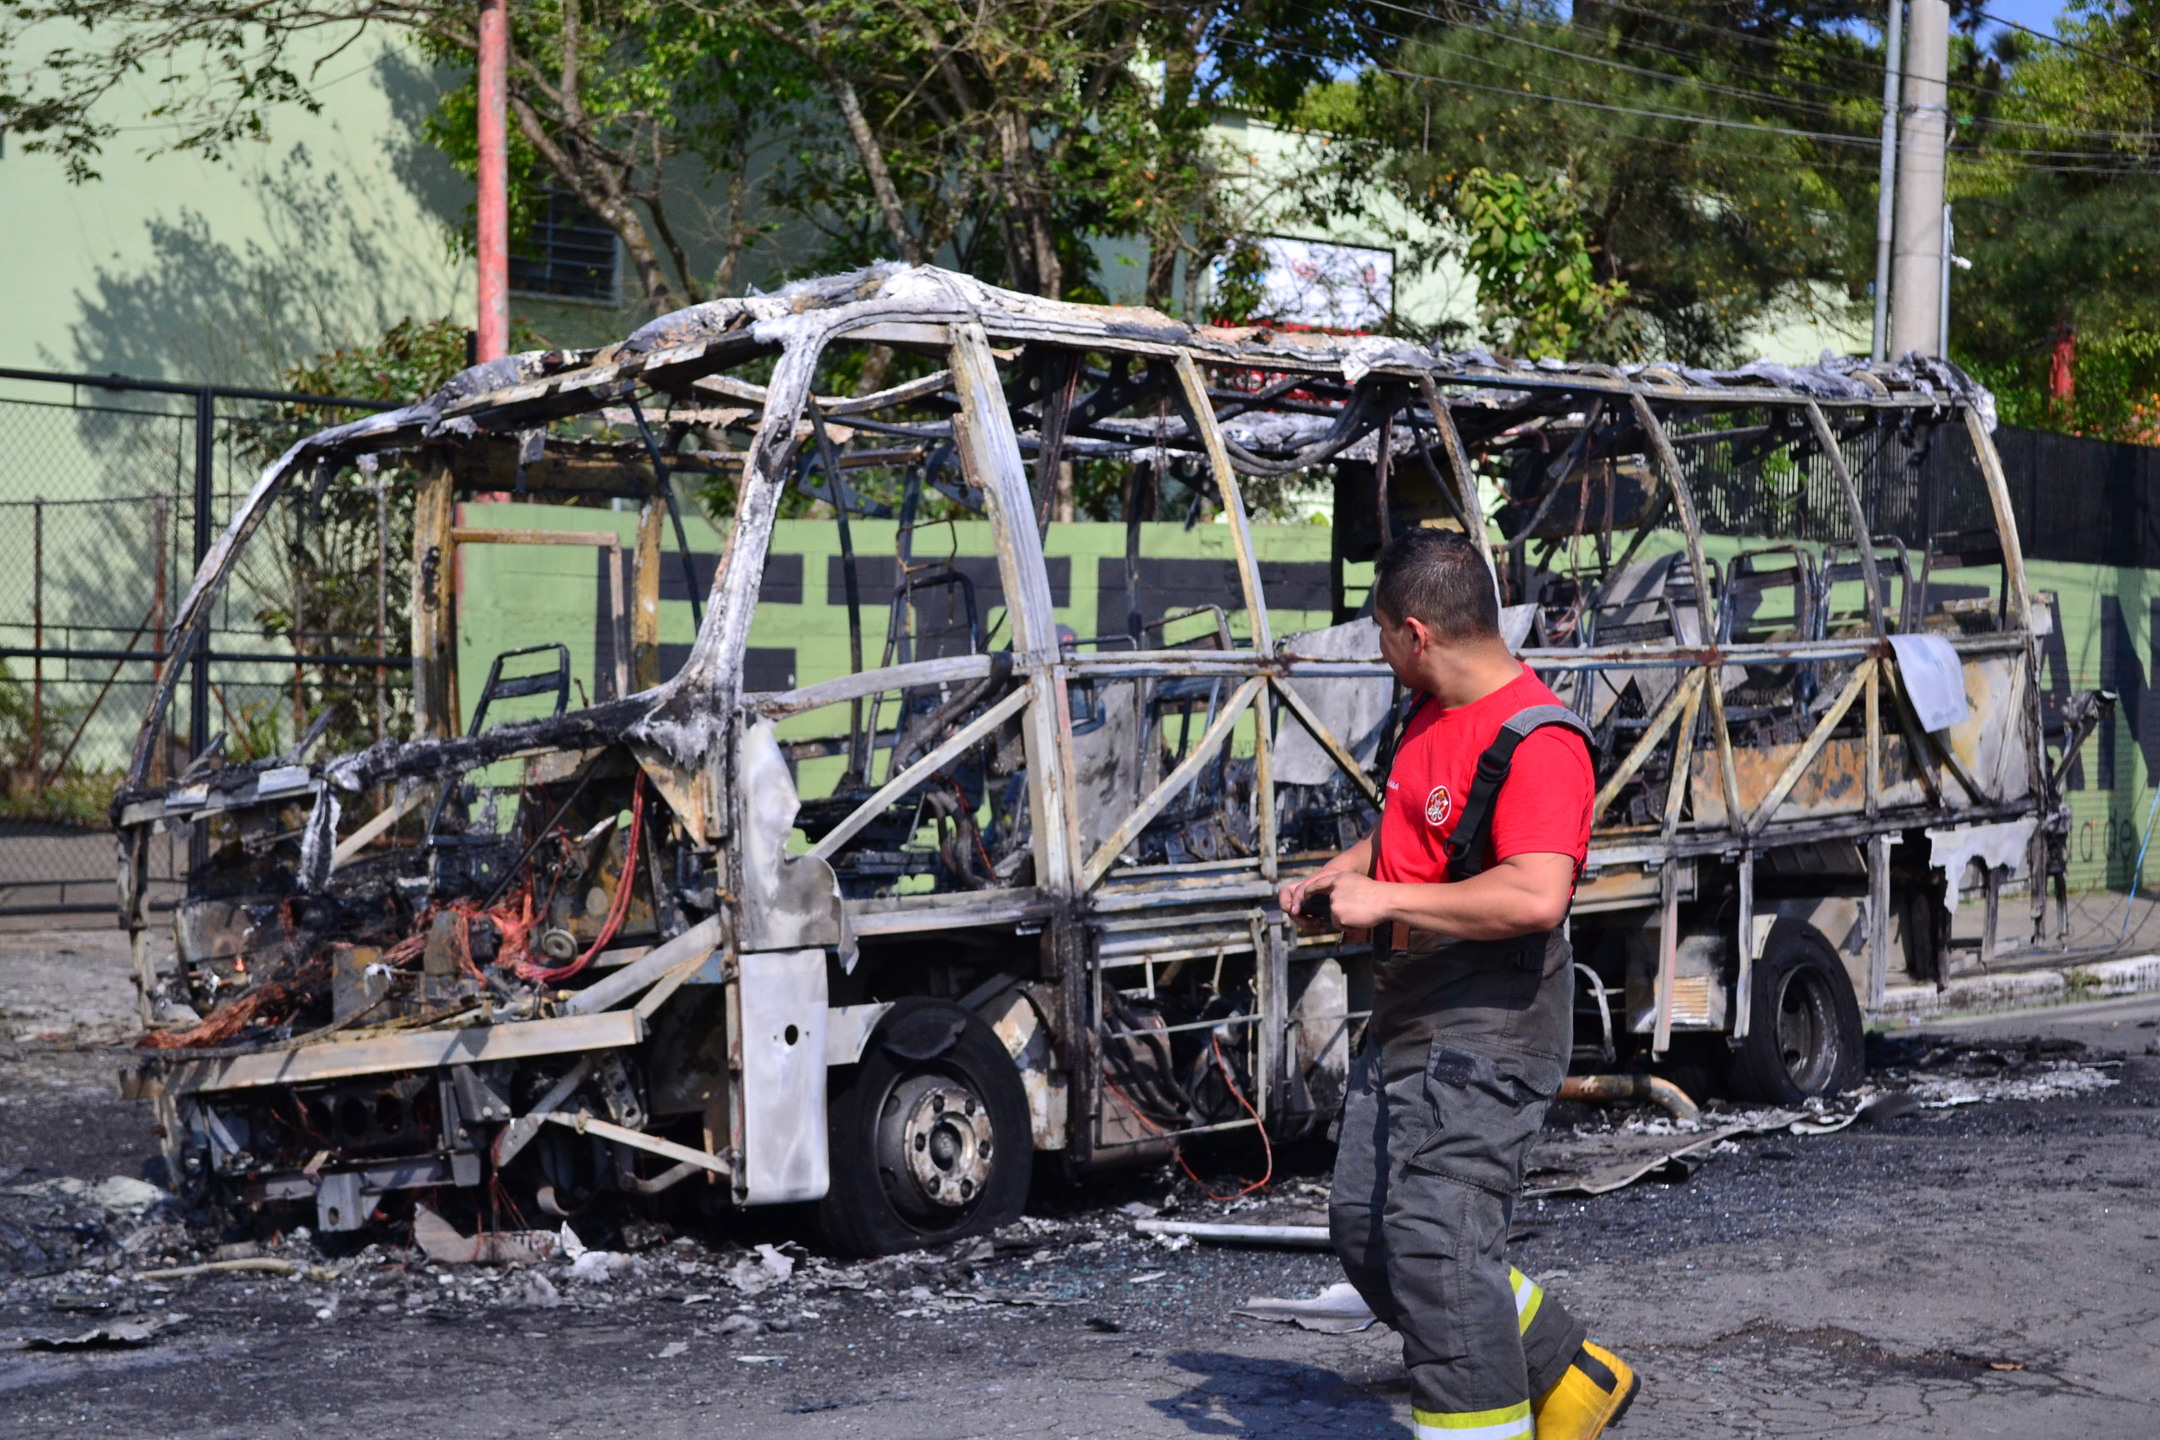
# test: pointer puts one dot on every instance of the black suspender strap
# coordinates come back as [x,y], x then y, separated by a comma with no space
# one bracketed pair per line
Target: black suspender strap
[1467,844]
[1417,703]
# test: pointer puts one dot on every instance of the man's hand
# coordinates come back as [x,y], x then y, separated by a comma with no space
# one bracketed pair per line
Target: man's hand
[1352,901]
[1300,898]
[1303,900]
[1521,895]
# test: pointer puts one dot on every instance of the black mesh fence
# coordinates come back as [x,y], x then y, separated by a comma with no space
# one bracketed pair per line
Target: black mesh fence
[1761,474]
[2086,502]
[2094,502]
[109,490]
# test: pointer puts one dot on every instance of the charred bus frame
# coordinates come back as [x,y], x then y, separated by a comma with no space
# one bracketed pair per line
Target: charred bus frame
[1069,846]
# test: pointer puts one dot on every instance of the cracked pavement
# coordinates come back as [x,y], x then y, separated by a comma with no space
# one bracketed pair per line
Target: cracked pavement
[1980,1270]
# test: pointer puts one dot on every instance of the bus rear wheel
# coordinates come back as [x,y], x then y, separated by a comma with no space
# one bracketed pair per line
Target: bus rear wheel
[1804,1035]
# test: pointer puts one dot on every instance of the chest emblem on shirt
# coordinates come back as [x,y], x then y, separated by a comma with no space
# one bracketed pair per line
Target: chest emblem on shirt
[1437,806]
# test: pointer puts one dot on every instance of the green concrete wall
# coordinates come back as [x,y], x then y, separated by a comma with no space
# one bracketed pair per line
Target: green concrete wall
[513,596]
[524,595]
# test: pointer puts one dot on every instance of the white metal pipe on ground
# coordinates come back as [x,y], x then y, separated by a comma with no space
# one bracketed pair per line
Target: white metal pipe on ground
[1296,1237]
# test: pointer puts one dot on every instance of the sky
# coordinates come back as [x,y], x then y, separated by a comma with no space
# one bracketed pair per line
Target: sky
[2037,14]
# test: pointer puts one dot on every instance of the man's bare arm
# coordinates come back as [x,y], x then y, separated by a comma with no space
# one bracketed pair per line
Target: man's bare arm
[1521,895]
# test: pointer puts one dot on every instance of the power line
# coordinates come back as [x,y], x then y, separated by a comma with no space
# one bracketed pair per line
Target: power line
[1526,93]
[1782,47]
[2085,50]
[1690,117]
[1516,38]
[1985,122]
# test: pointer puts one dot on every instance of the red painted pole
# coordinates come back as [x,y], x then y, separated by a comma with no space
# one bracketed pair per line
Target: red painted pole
[494,200]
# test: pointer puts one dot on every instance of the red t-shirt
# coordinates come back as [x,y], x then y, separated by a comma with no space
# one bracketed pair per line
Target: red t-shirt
[1543,805]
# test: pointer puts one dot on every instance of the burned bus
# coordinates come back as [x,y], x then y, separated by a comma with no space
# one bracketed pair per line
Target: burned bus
[1004,889]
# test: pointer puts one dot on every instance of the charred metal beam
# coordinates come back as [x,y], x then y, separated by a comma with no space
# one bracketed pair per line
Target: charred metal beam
[990,459]
[1683,696]
[1863,532]
[171,1072]
[1342,757]
[907,780]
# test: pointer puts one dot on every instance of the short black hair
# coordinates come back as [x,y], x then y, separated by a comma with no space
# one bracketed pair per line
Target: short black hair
[1439,577]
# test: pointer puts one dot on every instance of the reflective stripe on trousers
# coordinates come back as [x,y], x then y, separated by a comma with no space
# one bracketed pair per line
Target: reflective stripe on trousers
[1529,1295]
[1428,1161]
[1506,1423]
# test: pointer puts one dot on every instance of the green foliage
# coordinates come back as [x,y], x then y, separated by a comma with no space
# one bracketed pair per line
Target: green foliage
[1537,290]
[1001,137]
[998,136]
[2058,210]
[2116,396]
[414,358]
[39,778]
[1240,282]
[334,573]
[1713,229]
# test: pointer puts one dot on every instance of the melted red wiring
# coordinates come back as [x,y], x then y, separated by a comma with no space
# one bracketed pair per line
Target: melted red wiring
[617,908]
[1177,1154]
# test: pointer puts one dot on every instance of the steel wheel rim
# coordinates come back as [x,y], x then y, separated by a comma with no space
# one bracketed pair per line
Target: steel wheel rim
[908,1113]
[1806,1029]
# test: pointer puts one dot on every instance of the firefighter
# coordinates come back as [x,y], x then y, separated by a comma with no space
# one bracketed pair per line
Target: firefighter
[1465,884]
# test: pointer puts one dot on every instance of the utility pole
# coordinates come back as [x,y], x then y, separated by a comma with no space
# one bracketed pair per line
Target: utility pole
[1916,264]
[1886,180]
[493,205]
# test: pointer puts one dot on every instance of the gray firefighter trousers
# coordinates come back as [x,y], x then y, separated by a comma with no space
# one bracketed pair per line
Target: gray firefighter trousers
[1466,1049]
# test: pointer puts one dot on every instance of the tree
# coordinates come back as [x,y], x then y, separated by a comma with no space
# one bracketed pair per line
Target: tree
[2058,210]
[608,99]
[998,136]
[1537,287]
[1718,158]
[1006,134]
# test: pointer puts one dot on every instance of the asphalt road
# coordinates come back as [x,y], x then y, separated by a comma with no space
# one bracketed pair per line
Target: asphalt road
[1975,1271]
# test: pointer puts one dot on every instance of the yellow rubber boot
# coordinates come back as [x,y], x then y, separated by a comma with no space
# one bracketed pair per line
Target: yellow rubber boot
[1590,1398]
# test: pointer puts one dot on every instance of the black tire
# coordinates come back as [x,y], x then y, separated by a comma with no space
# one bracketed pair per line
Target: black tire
[1805,1037]
[930,1136]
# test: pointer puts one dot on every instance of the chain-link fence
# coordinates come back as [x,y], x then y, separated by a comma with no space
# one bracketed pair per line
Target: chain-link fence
[110,492]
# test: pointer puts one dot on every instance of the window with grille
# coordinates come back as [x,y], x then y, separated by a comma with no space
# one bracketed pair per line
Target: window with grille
[570,253]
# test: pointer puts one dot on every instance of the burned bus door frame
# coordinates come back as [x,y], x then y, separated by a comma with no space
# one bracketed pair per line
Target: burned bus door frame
[763,964]
[989,449]
[1271,955]
[1252,670]
[990,459]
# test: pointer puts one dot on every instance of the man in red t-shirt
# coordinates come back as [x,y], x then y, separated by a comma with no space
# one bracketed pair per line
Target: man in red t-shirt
[1465,885]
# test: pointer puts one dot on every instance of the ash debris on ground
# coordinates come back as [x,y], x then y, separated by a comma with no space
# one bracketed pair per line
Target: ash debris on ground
[1940,1072]
[118,1226]
[121,1249]
[1789,1284]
